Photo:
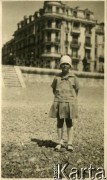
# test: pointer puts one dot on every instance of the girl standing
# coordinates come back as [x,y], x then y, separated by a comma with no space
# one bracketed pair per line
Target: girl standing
[65,88]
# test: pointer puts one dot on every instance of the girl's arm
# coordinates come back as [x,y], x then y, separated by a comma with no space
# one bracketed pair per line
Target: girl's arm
[53,91]
[76,85]
[53,85]
[76,92]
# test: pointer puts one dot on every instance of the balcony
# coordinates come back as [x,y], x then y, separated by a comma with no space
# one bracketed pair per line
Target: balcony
[56,14]
[51,54]
[52,27]
[75,44]
[75,58]
[75,30]
[100,31]
[51,41]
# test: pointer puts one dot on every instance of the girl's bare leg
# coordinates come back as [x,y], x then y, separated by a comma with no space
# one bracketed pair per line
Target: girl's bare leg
[60,135]
[70,135]
[70,139]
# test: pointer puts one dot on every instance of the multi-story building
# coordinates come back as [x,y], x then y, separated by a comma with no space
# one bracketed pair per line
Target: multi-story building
[57,29]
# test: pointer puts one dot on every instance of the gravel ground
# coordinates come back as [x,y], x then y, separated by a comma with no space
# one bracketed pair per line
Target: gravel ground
[29,135]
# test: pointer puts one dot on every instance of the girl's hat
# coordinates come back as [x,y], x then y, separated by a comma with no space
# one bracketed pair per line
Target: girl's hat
[66,59]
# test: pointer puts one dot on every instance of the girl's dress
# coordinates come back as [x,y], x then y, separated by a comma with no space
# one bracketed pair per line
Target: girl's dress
[65,100]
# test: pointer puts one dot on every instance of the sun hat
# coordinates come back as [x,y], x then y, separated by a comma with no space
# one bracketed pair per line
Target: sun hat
[66,59]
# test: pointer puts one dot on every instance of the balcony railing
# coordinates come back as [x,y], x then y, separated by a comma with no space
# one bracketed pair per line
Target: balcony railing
[100,31]
[75,30]
[51,27]
[76,57]
[51,54]
[49,51]
[50,41]
[88,33]
[51,12]
[75,44]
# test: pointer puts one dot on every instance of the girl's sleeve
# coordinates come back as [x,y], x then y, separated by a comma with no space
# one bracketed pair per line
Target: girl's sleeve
[53,85]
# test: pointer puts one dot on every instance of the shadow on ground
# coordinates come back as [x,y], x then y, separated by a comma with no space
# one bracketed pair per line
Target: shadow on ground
[46,143]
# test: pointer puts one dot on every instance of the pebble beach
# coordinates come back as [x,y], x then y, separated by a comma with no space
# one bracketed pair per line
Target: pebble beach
[29,136]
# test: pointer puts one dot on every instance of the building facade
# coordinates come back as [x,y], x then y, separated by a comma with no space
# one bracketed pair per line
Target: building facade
[56,29]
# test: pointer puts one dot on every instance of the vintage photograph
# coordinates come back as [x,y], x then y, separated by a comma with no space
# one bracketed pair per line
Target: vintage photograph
[53,66]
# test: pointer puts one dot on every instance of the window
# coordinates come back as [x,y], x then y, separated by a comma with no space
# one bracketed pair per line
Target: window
[87,16]
[88,41]
[57,9]
[22,44]
[49,36]
[96,52]
[96,39]
[49,9]
[88,29]
[57,35]
[75,13]
[74,53]
[76,25]
[75,39]
[31,40]
[47,63]
[63,10]
[49,24]
[48,48]
[66,36]
[56,49]
[87,54]
[67,12]
[58,24]
[66,50]
[75,65]
[45,49]
[57,63]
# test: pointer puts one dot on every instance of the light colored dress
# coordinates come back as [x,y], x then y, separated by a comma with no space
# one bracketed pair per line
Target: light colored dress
[65,99]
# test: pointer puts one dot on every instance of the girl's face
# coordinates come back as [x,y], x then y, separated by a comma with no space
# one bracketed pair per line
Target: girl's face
[65,68]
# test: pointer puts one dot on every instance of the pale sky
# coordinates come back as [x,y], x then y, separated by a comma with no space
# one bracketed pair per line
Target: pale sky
[14,11]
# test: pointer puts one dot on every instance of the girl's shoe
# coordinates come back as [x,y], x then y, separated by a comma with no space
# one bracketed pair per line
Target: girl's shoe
[69,147]
[58,147]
